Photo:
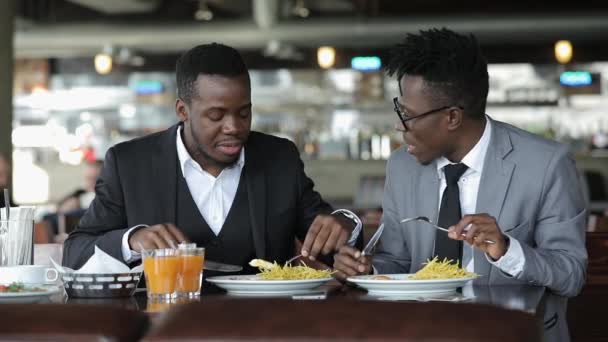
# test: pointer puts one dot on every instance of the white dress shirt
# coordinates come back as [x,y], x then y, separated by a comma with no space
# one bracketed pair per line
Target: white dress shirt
[213,195]
[513,261]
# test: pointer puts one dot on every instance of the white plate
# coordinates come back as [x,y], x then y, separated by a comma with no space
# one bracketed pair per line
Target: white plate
[30,296]
[401,285]
[252,285]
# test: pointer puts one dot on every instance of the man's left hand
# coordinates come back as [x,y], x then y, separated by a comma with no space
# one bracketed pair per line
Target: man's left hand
[327,233]
[483,227]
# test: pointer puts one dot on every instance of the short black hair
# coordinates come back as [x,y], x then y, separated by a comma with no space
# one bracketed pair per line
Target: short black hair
[451,64]
[207,59]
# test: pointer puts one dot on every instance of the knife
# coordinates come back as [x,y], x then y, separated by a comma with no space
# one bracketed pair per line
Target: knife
[221,267]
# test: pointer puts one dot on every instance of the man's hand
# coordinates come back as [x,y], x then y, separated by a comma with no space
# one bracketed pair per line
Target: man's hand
[327,233]
[483,227]
[158,236]
[349,262]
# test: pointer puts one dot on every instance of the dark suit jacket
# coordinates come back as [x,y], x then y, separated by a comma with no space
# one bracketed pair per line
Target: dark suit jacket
[138,186]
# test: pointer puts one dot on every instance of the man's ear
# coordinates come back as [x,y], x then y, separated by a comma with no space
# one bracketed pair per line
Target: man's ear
[455,118]
[181,110]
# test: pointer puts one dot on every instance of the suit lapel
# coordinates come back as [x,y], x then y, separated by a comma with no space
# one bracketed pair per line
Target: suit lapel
[256,194]
[493,185]
[165,176]
[428,195]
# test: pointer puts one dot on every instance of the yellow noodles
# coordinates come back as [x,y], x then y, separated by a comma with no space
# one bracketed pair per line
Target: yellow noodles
[288,272]
[446,269]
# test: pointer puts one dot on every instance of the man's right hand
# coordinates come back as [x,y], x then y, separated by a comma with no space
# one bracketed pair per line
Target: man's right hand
[349,262]
[165,235]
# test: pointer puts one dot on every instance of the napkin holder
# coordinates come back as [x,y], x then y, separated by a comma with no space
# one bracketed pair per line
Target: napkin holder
[100,285]
[85,283]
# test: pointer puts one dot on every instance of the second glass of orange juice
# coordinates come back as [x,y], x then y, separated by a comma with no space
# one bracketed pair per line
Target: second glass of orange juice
[190,277]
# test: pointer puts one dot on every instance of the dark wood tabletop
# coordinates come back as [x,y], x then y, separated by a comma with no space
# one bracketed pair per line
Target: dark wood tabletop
[529,299]
[547,309]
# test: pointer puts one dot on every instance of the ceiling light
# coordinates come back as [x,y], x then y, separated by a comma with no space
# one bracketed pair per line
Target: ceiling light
[563,51]
[300,9]
[103,63]
[326,57]
[203,13]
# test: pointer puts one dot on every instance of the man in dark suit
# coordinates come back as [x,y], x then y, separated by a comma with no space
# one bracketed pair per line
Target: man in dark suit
[209,180]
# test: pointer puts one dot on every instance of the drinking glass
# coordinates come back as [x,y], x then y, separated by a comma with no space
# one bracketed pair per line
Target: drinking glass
[16,242]
[161,267]
[190,277]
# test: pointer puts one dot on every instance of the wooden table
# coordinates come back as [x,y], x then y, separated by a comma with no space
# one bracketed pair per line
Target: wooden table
[530,299]
[549,309]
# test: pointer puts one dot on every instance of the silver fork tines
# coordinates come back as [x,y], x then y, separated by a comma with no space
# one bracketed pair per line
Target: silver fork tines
[292,259]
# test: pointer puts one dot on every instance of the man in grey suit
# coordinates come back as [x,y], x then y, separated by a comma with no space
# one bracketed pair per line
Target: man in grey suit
[512,188]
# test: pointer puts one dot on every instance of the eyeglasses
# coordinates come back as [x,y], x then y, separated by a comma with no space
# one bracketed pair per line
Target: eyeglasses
[405,118]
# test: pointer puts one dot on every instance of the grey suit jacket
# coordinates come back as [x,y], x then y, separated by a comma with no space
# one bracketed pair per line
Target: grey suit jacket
[528,183]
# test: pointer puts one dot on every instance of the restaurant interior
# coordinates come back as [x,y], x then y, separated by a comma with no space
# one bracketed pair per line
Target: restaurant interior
[79,76]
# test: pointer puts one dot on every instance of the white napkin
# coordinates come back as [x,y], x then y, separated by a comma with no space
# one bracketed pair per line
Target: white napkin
[99,262]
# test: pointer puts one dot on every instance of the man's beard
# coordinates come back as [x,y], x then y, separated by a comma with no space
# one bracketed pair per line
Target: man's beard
[210,160]
[199,150]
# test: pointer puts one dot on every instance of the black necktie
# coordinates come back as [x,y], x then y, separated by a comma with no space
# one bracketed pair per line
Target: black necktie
[449,214]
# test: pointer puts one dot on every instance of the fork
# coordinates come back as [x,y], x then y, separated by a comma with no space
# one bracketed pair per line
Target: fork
[373,241]
[426,219]
[292,259]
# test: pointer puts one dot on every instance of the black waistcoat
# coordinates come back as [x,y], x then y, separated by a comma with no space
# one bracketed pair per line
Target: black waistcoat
[234,244]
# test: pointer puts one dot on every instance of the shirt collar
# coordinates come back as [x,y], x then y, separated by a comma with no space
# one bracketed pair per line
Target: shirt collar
[184,156]
[474,159]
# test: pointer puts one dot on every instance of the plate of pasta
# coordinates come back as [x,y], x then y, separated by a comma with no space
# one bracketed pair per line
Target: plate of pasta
[436,277]
[273,279]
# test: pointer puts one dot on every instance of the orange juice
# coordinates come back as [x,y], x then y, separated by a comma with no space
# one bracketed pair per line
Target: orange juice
[161,274]
[191,271]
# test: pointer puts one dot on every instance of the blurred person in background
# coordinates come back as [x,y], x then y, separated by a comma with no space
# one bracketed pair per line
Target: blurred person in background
[81,198]
[73,206]
[209,180]
[476,176]
[5,175]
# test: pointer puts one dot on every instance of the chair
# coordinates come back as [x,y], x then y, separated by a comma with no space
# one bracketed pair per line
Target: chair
[61,322]
[60,225]
[42,232]
[343,320]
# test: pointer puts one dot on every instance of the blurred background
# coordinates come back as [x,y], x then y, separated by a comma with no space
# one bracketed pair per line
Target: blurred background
[82,75]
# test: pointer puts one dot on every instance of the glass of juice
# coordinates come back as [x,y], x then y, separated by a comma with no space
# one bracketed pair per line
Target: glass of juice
[161,267]
[191,263]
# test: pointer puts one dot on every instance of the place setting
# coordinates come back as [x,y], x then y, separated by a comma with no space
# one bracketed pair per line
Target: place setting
[28,284]
[21,282]
[275,280]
